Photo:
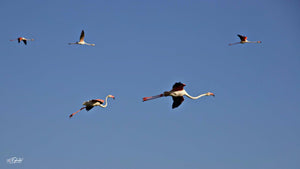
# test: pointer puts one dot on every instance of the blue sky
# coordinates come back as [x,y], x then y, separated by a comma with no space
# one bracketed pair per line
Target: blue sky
[142,49]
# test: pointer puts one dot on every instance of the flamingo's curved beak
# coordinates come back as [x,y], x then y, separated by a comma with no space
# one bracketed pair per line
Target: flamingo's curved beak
[112,96]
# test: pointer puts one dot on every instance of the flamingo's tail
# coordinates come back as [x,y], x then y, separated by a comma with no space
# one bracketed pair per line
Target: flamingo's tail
[76,112]
[152,97]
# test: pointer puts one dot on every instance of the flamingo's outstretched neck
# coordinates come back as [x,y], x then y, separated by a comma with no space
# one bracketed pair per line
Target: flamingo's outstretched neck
[243,42]
[76,112]
[106,100]
[254,42]
[90,44]
[152,97]
[197,97]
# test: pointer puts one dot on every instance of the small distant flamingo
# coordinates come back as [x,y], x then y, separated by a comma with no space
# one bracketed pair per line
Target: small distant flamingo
[243,40]
[22,39]
[81,41]
[177,94]
[92,103]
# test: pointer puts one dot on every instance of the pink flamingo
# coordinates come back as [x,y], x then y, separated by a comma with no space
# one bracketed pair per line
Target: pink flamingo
[92,103]
[177,94]
[243,40]
[22,39]
[81,41]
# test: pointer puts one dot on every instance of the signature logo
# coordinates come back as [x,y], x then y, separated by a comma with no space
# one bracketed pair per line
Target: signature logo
[14,160]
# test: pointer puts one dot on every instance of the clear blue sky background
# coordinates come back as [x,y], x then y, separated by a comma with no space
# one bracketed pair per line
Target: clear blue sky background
[142,49]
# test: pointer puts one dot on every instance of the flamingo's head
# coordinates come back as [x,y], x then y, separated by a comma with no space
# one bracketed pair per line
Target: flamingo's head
[111,96]
[210,94]
[258,41]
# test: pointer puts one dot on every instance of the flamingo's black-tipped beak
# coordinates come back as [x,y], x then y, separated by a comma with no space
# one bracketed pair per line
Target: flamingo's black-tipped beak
[210,94]
[111,96]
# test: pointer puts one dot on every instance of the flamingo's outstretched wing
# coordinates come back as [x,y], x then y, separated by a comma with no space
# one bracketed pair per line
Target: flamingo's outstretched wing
[89,108]
[19,40]
[243,38]
[92,102]
[178,86]
[82,36]
[97,100]
[177,101]
[25,42]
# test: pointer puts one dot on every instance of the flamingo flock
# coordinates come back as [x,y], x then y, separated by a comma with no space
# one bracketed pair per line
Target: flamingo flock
[176,93]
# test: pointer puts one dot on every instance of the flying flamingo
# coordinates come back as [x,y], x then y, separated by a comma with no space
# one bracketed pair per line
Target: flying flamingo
[92,103]
[22,39]
[177,94]
[81,41]
[243,40]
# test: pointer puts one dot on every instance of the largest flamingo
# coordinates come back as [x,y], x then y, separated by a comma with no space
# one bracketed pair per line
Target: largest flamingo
[177,94]
[92,103]
[243,40]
